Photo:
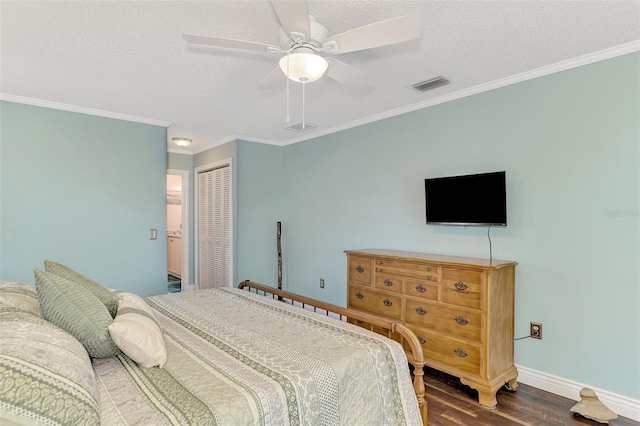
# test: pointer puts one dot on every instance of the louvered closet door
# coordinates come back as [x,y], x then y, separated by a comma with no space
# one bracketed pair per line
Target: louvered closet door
[214,209]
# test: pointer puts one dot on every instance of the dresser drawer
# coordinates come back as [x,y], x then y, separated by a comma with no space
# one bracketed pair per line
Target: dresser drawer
[387,305]
[420,271]
[388,282]
[457,322]
[461,287]
[455,353]
[360,269]
[423,289]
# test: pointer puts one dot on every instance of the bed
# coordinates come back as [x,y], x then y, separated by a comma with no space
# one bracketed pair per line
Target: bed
[228,357]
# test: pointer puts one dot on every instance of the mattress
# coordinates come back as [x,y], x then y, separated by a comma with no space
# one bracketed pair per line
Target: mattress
[236,358]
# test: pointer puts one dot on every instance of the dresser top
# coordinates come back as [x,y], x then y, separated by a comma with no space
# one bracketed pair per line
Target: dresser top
[436,258]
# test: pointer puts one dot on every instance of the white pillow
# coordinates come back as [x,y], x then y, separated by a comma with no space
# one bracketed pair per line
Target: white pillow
[137,333]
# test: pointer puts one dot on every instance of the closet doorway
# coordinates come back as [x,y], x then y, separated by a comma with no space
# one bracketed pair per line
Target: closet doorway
[177,230]
[214,227]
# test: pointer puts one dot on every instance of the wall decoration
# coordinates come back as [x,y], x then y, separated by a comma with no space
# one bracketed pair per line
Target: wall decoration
[174,197]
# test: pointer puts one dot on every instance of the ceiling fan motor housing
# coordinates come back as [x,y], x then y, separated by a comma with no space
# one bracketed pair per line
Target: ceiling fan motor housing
[293,41]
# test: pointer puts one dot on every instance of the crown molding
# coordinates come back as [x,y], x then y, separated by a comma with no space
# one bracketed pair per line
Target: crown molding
[586,59]
[259,140]
[215,143]
[179,151]
[579,61]
[82,110]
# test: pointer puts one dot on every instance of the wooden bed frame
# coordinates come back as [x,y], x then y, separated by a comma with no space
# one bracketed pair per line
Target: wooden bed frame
[369,321]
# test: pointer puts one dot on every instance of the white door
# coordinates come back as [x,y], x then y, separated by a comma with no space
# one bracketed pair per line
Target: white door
[214,227]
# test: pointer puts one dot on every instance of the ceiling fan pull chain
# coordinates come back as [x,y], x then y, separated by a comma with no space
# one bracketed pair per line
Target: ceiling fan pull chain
[288,118]
[303,104]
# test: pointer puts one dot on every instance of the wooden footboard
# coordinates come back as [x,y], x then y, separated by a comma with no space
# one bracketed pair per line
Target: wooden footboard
[416,358]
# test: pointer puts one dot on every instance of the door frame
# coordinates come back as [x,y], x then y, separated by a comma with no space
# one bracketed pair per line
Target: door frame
[196,215]
[184,213]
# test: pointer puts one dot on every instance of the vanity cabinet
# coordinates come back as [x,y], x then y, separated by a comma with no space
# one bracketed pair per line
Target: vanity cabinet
[461,309]
[174,256]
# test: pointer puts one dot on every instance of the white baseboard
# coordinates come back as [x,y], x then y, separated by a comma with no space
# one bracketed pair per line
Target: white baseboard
[619,404]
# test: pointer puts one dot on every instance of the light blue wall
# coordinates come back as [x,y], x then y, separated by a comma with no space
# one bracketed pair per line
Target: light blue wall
[180,161]
[84,191]
[571,148]
[261,193]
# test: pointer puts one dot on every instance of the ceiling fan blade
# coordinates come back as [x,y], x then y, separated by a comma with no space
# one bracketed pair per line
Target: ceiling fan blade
[378,34]
[274,79]
[348,75]
[293,17]
[229,43]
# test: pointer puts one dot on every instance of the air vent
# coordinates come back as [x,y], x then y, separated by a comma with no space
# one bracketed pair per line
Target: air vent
[300,127]
[432,83]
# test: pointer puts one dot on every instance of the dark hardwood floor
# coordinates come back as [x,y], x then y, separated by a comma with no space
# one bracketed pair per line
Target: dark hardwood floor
[452,403]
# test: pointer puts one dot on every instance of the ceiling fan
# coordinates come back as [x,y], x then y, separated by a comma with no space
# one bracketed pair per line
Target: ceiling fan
[304,45]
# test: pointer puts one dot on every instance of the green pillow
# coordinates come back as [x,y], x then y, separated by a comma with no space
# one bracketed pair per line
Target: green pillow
[77,311]
[105,295]
[48,377]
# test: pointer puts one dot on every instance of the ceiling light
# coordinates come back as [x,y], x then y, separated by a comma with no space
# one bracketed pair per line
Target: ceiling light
[303,67]
[182,142]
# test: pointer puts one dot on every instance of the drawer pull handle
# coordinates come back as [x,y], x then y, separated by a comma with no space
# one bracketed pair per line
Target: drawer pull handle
[379,262]
[420,310]
[462,320]
[421,289]
[387,302]
[460,352]
[388,282]
[422,340]
[378,269]
[359,295]
[428,268]
[461,286]
[386,330]
[428,277]
[359,269]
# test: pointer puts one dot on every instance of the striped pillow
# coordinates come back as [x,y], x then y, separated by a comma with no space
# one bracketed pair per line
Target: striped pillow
[105,295]
[77,311]
[137,333]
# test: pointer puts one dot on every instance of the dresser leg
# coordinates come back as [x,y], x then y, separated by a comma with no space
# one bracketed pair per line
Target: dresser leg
[487,391]
[512,384]
[488,399]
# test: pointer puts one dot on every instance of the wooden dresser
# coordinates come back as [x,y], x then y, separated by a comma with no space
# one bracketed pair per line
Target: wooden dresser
[460,308]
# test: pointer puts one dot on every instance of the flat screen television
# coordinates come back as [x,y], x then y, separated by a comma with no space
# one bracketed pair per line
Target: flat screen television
[474,200]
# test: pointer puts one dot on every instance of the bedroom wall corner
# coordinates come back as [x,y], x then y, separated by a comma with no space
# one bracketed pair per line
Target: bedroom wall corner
[261,195]
[84,191]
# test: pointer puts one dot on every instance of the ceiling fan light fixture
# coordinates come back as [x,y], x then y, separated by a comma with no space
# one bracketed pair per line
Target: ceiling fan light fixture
[182,142]
[303,67]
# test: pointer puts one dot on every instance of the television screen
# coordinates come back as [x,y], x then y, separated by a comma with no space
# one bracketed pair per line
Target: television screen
[479,199]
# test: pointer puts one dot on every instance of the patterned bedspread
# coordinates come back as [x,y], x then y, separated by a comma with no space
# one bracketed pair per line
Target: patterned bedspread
[235,358]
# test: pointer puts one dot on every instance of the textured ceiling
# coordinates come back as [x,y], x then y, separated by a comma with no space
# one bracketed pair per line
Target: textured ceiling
[129,58]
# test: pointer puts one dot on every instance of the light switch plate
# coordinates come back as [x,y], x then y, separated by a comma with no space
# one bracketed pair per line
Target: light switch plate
[153,234]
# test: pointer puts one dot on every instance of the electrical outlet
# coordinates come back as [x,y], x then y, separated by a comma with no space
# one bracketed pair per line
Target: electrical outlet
[535,330]
[321,282]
